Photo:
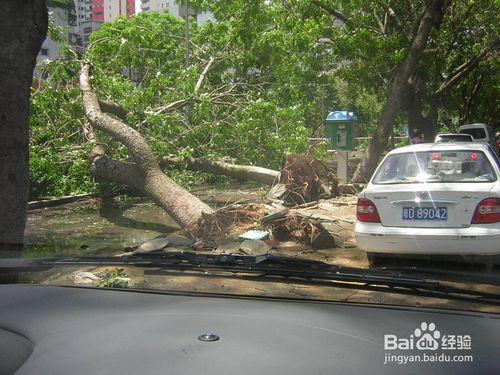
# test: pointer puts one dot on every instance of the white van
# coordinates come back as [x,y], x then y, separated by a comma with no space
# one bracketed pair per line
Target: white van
[481,133]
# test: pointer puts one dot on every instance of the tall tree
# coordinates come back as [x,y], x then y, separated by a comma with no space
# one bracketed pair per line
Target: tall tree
[23,27]
[431,18]
[456,69]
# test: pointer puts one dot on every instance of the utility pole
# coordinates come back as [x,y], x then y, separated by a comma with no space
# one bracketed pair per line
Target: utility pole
[186,15]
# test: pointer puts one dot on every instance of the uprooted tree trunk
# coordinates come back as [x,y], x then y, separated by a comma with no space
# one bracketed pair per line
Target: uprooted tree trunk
[144,173]
[432,17]
[302,178]
[239,172]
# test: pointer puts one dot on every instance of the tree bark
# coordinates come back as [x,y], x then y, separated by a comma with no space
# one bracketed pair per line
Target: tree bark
[432,15]
[145,173]
[240,172]
[427,124]
[23,27]
[113,109]
[415,103]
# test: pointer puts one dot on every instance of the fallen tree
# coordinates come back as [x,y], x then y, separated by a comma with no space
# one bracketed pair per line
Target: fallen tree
[239,172]
[303,177]
[144,173]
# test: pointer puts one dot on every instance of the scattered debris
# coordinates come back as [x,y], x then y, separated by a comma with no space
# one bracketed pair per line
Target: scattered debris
[280,214]
[199,245]
[347,189]
[327,206]
[272,242]
[323,239]
[85,278]
[303,230]
[254,235]
[254,247]
[179,240]
[229,247]
[320,224]
[156,244]
[277,192]
[227,223]
[322,217]
[52,202]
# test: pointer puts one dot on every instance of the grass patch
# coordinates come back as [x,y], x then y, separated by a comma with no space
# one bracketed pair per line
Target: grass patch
[116,278]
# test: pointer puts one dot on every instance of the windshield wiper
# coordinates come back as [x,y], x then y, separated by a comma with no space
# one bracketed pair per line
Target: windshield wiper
[266,268]
[446,275]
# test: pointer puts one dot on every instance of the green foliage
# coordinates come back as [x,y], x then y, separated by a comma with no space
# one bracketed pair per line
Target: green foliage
[278,68]
[58,151]
[114,279]
[251,106]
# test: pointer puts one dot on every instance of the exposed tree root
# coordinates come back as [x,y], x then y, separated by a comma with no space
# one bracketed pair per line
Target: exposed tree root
[306,179]
[303,230]
[226,223]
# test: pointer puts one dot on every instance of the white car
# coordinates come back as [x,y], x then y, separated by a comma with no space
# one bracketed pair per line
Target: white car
[434,198]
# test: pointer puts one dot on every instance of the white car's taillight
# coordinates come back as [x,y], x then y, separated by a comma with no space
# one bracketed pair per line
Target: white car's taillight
[487,211]
[366,211]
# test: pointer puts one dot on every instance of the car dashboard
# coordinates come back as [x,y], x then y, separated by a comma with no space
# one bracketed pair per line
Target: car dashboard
[67,330]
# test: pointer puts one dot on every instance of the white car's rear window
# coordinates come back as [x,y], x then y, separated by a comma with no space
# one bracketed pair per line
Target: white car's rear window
[435,166]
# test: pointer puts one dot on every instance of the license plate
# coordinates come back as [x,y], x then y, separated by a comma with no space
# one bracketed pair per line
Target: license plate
[425,213]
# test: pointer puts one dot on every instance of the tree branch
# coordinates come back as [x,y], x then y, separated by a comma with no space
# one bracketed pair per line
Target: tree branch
[460,72]
[399,25]
[131,138]
[202,75]
[379,22]
[185,209]
[339,15]
[173,106]
[113,108]
[241,172]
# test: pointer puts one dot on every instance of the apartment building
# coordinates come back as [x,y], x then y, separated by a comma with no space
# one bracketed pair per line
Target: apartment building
[109,10]
[175,8]
[91,14]
[86,17]
[50,49]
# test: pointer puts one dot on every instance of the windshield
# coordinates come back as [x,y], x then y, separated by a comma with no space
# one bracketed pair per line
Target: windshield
[173,132]
[476,133]
[435,166]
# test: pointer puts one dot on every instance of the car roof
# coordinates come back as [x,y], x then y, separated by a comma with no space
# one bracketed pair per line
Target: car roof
[441,147]
[476,125]
[453,135]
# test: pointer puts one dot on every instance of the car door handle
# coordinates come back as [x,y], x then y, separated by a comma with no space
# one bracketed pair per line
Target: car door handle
[413,201]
